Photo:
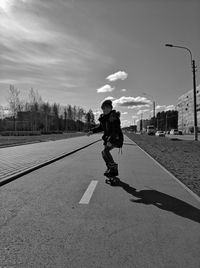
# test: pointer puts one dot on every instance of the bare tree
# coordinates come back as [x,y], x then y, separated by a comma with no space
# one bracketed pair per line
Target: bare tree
[65,118]
[74,111]
[90,119]
[55,110]
[14,102]
[46,108]
[69,112]
[35,100]
[80,113]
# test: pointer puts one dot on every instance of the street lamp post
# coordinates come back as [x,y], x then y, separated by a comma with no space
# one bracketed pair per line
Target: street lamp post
[154,107]
[194,88]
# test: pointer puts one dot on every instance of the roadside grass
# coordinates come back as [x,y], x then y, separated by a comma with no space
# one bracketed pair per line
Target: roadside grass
[6,141]
[180,157]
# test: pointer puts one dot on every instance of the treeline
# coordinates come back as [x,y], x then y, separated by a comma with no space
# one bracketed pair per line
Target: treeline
[35,114]
[165,120]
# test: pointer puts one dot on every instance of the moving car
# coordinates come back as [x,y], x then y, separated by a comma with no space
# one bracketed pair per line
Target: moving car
[160,133]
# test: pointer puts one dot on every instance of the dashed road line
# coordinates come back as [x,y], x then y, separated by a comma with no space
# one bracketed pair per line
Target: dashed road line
[88,193]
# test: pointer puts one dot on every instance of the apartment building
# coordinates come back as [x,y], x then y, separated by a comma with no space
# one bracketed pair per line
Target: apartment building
[185,109]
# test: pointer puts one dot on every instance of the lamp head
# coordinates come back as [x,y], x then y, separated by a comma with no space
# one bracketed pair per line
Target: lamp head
[168,45]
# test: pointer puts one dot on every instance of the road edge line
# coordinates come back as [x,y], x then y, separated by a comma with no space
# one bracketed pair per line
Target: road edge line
[169,173]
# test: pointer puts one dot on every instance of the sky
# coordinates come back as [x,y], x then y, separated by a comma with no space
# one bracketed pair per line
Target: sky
[81,52]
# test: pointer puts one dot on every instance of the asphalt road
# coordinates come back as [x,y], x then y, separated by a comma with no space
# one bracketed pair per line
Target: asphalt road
[147,220]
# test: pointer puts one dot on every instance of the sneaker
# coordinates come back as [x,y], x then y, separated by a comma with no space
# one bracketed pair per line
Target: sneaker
[106,172]
[112,172]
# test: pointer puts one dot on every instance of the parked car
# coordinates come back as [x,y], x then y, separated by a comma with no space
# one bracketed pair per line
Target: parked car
[160,133]
[174,132]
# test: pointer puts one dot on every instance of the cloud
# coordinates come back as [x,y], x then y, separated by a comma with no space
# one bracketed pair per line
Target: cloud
[7,5]
[125,123]
[39,48]
[132,102]
[123,90]
[160,108]
[124,113]
[170,107]
[109,98]
[121,75]
[106,88]
[143,111]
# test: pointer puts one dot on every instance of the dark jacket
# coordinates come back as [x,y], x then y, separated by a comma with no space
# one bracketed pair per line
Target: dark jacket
[110,125]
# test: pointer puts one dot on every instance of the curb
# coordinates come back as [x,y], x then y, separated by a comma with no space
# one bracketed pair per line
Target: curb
[48,162]
[169,173]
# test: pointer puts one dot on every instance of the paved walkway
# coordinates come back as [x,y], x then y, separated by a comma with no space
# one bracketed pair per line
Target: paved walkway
[18,160]
[146,220]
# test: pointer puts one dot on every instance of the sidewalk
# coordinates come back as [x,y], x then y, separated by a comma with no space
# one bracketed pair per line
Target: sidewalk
[18,160]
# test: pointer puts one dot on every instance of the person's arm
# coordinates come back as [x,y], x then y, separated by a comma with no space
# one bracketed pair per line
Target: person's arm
[97,129]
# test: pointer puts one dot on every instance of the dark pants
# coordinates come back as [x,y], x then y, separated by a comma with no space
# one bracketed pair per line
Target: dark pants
[110,163]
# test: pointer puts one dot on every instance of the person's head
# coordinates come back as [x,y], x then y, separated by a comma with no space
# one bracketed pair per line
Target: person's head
[106,106]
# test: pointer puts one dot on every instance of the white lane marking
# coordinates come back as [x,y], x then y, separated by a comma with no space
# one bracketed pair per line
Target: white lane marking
[88,193]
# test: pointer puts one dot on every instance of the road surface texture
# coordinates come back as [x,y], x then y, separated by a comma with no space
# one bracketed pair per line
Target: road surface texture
[65,215]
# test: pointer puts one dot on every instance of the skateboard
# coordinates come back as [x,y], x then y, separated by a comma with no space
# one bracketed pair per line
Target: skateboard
[111,180]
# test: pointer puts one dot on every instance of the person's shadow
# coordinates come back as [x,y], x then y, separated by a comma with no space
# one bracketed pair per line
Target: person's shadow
[162,201]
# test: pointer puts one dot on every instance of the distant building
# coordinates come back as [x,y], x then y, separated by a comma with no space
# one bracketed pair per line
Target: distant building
[185,109]
[142,124]
[132,128]
[138,125]
[4,112]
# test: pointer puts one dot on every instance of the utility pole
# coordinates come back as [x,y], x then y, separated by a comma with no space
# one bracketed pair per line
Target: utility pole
[141,122]
[154,108]
[195,100]
[154,116]
[194,88]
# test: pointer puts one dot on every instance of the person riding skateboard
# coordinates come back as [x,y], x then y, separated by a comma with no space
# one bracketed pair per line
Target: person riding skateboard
[113,137]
